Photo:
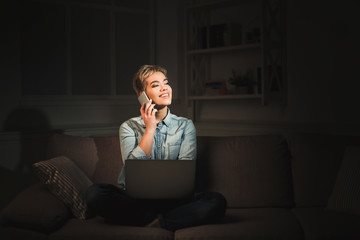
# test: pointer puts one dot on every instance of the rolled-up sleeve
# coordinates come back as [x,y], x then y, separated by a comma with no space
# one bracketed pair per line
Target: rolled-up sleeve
[129,145]
[188,145]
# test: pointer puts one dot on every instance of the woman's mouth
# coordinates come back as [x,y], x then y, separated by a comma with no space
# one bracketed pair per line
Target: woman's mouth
[164,95]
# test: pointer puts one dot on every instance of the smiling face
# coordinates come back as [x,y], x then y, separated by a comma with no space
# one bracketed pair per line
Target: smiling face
[158,89]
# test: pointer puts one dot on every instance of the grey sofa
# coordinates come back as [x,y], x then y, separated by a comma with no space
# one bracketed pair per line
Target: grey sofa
[301,186]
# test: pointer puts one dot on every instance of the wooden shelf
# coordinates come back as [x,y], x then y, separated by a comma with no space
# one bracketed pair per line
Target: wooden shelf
[247,37]
[225,49]
[224,97]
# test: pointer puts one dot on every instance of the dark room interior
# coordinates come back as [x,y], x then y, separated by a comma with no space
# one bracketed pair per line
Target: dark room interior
[67,65]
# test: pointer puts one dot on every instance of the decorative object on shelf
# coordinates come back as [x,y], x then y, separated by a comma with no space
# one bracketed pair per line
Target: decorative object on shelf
[216,88]
[241,83]
[253,36]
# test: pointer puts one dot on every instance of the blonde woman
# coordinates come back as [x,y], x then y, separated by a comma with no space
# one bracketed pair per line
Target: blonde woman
[156,134]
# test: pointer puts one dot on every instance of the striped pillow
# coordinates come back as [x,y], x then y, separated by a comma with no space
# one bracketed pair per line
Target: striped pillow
[346,193]
[66,181]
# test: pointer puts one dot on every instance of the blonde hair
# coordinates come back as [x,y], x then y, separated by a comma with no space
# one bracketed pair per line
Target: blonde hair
[139,80]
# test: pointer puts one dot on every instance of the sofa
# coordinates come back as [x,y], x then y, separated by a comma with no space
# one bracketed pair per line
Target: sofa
[295,186]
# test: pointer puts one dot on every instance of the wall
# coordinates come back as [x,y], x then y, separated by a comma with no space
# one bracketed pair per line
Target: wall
[10,72]
[323,45]
[82,112]
[322,48]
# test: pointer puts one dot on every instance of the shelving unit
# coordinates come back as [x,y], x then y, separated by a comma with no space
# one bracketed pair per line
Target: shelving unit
[227,39]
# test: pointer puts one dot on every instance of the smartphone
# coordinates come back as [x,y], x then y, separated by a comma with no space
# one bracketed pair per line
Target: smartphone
[143,98]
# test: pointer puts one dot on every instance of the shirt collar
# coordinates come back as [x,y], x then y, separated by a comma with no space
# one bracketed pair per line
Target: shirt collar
[166,120]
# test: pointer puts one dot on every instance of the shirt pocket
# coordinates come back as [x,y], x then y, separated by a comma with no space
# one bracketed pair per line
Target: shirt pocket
[173,150]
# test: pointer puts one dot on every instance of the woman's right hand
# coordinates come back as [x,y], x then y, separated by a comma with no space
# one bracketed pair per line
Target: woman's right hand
[148,112]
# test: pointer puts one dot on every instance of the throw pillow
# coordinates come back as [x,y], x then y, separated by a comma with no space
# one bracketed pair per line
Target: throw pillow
[66,181]
[346,193]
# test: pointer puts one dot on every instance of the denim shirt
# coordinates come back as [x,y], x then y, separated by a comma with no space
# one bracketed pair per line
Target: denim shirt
[175,138]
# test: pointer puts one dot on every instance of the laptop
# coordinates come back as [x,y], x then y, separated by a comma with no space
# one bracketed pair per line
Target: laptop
[160,179]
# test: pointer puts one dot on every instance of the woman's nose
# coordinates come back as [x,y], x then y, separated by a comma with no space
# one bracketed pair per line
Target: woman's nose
[163,87]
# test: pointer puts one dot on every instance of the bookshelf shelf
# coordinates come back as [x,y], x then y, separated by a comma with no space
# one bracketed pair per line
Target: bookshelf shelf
[255,46]
[224,97]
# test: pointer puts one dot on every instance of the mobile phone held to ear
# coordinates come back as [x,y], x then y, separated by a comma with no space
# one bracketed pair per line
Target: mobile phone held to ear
[143,98]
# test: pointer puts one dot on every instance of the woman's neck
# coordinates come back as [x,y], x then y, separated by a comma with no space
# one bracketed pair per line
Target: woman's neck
[161,114]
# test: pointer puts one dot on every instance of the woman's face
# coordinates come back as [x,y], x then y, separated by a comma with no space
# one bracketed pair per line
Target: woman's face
[158,89]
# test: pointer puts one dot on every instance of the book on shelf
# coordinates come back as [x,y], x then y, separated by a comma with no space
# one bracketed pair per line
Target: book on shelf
[219,35]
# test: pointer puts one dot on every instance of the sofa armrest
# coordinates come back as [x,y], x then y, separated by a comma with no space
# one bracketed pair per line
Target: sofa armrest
[37,209]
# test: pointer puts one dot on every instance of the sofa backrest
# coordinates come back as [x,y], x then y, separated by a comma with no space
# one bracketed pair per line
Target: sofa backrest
[250,171]
[316,159]
[98,157]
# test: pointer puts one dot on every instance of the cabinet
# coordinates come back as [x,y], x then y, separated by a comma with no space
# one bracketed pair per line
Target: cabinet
[235,50]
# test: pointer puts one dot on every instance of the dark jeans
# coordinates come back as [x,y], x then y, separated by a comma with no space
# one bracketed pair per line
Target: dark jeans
[116,207]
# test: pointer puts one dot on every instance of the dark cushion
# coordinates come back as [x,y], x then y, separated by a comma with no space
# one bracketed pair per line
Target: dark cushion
[252,223]
[320,223]
[316,159]
[250,171]
[346,193]
[35,208]
[15,233]
[95,229]
[66,181]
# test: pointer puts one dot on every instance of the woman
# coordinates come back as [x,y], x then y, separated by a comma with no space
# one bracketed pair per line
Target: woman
[156,134]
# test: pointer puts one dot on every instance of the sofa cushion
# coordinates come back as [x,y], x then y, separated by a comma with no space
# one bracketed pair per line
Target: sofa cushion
[95,228]
[66,181]
[346,193]
[37,209]
[255,223]
[316,159]
[250,171]
[81,150]
[15,233]
[320,223]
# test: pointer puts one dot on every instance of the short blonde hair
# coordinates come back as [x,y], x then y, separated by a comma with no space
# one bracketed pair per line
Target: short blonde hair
[142,74]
